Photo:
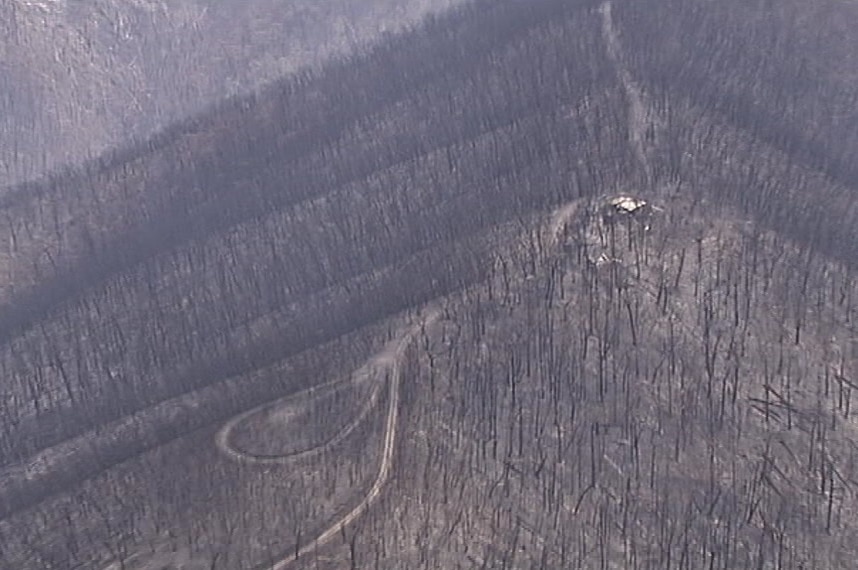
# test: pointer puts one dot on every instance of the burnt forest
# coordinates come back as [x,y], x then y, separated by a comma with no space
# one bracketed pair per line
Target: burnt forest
[519,285]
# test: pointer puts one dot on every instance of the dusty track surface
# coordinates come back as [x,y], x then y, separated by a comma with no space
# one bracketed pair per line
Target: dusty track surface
[370,372]
[388,360]
[558,220]
[642,118]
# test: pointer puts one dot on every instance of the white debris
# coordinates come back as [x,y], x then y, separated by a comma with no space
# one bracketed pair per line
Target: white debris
[627,204]
[603,259]
[46,6]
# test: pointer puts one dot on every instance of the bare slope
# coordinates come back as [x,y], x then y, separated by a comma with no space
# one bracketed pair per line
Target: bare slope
[79,78]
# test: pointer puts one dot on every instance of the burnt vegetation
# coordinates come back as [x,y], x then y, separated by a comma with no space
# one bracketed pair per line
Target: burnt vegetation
[555,284]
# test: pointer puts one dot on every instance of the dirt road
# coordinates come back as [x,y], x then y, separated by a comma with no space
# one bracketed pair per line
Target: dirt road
[388,361]
[642,118]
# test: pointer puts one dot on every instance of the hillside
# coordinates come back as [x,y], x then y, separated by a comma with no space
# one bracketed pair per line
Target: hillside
[79,78]
[533,285]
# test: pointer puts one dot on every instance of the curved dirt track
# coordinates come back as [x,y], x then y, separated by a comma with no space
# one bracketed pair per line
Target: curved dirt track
[387,361]
[224,435]
[390,358]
